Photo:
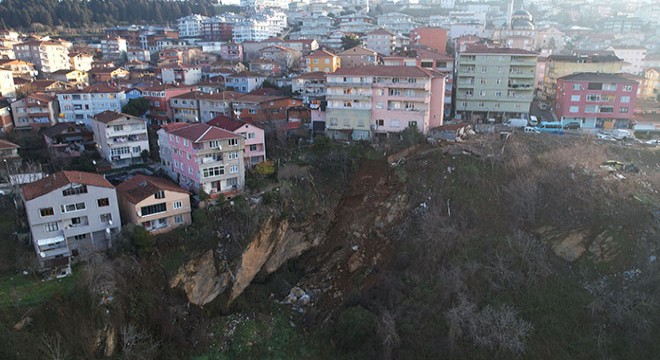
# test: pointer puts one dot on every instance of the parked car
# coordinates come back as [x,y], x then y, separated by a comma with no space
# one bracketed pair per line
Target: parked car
[533,120]
[621,134]
[572,125]
[531,130]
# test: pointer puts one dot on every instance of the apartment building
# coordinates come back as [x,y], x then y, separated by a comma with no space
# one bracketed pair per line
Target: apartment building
[19,68]
[322,60]
[494,83]
[72,214]
[120,138]
[433,37]
[47,55]
[231,51]
[218,103]
[154,203]
[185,107]
[160,111]
[113,47]
[397,23]
[244,82]
[7,86]
[310,88]
[255,141]
[81,61]
[369,101]
[380,41]
[80,105]
[357,56]
[633,57]
[562,65]
[191,25]
[68,139]
[206,158]
[596,100]
[35,111]
[181,74]
[218,28]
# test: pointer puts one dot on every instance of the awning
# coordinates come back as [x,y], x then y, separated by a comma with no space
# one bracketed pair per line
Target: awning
[50,241]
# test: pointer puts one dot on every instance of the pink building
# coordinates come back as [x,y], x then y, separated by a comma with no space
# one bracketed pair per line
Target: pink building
[205,157]
[255,141]
[231,51]
[596,100]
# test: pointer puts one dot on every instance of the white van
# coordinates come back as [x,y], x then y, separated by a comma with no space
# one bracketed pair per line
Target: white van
[533,120]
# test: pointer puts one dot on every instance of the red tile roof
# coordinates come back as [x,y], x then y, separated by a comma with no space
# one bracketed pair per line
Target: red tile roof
[201,132]
[322,53]
[53,182]
[226,123]
[109,116]
[482,49]
[97,88]
[223,95]
[4,144]
[387,71]
[318,75]
[141,187]
[190,95]
[174,126]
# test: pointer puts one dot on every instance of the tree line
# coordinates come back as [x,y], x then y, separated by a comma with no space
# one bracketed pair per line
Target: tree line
[19,14]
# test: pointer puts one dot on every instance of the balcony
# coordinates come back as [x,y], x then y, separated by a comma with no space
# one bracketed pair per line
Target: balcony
[343,96]
[126,139]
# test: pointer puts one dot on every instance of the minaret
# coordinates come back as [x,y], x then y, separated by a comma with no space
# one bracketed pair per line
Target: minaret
[509,14]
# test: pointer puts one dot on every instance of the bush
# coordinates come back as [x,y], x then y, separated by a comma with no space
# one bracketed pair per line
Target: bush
[355,328]
[142,239]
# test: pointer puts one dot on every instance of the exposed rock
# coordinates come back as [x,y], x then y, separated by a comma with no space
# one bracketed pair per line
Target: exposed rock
[110,341]
[201,280]
[572,246]
[23,323]
[304,300]
[297,292]
[604,247]
[354,262]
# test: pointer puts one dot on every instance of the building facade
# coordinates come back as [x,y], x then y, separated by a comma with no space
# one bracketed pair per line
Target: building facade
[562,65]
[35,111]
[120,138]
[80,105]
[255,141]
[48,56]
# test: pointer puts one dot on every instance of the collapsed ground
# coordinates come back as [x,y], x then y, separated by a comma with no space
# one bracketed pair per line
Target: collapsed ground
[496,248]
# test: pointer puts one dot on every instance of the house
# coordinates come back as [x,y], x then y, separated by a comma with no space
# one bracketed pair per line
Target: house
[80,105]
[263,109]
[19,68]
[8,151]
[494,83]
[231,51]
[120,138]
[369,101]
[81,61]
[142,55]
[651,86]
[185,107]
[100,75]
[160,111]
[7,86]
[255,141]
[6,124]
[596,100]
[51,87]
[73,77]
[157,204]
[68,139]
[71,214]
[286,57]
[206,159]
[562,65]
[35,111]
[433,37]
[357,56]
[380,41]
[181,74]
[266,67]
[322,60]
[217,103]
[244,82]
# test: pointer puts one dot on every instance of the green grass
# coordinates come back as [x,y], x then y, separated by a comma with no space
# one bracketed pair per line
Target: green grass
[27,290]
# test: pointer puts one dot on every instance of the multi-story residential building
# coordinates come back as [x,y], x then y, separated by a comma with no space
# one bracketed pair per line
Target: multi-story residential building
[8,151]
[218,28]
[19,68]
[244,82]
[368,101]
[262,109]
[181,74]
[47,55]
[156,204]
[73,77]
[80,105]
[7,86]
[310,88]
[651,85]
[120,138]
[357,56]
[217,103]
[397,23]
[433,37]
[72,214]
[185,107]
[633,57]
[81,61]
[255,141]
[231,51]
[596,100]
[133,54]
[7,52]
[113,47]
[562,65]
[164,149]
[494,83]
[551,38]
[191,25]
[68,139]
[287,58]
[322,60]
[259,27]
[315,27]
[160,112]
[356,23]
[380,41]
[206,158]
[6,124]
[35,111]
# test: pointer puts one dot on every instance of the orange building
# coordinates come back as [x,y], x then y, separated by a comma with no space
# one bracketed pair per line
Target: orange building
[433,37]
[322,60]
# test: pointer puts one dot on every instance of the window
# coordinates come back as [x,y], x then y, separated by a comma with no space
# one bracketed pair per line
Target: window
[412,123]
[625,99]
[253,147]
[103,202]
[591,109]
[251,135]
[593,97]
[75,190]
[623,110]
[214,144]
[233,169]
[51,226]
[72,207]
[577,87]
[394,123]
[105,218]
[136,149]
[153,209]
[232,181]
[213,171]
[395,92]
[482,81]
[185,142]
[178,219]
[160,194]
[575,97]
[46,212]
[233,142]
[120,151]
[595,86]
[80,237]
[177,205]
[233,155]
[607,109]
[574,109]
[498,93]
[118,128]
[77,221]
[627,88]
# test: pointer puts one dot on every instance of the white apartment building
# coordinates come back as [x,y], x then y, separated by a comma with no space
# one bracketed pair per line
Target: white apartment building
[80,105]
[113,47]
[71,214]
[181,74]
[633,57]
[120,138]
[7,87]
[47,55]
[191,25]
[381,41]
[397,23]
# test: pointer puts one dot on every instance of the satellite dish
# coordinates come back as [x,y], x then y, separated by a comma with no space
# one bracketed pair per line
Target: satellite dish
[42,254]
[110,223]
[107,230]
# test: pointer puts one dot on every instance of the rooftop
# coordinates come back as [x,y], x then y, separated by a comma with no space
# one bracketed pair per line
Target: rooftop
[141,187]
[110,116]
[387,71]
[226,123]
[201,132]
[591,76]
[53,182]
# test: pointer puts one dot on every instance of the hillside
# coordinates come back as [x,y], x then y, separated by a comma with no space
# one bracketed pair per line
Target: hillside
[523,247]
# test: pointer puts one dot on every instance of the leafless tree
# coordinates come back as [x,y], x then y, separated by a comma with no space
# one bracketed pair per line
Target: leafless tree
[53,348]
[137,344]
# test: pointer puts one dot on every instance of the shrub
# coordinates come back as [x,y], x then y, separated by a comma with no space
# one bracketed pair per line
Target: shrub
[356,327]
